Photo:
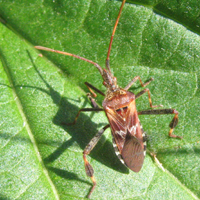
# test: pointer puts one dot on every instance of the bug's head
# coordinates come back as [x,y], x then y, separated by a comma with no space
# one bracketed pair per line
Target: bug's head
[109,80]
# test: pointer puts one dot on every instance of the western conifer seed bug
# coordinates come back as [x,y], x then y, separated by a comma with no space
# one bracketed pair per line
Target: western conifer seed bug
[129,139]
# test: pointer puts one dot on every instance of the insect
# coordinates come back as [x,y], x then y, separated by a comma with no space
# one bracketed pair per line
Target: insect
[119,105]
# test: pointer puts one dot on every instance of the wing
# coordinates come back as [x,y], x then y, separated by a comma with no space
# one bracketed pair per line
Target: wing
[118,128]
[127,136]
[133,150]
[132,153]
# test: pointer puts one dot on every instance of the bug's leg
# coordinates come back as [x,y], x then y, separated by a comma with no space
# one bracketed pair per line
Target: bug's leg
[149,95]
[91,88]
[88,168]
[94,104]
[172,124]
[157,161]
[135,79]
[84,110]
[92,100]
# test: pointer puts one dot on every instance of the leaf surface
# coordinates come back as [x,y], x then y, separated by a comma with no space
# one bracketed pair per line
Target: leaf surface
[40,157]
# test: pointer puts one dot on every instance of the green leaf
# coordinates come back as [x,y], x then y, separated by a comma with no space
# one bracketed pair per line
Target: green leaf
[40,157]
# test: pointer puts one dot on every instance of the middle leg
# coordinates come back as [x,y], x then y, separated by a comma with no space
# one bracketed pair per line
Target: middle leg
[172,124]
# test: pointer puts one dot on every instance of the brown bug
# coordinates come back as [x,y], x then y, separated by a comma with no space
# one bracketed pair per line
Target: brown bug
[129,139]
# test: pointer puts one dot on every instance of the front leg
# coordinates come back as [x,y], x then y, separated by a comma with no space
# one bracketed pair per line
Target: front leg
[92,100]
[135,79]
